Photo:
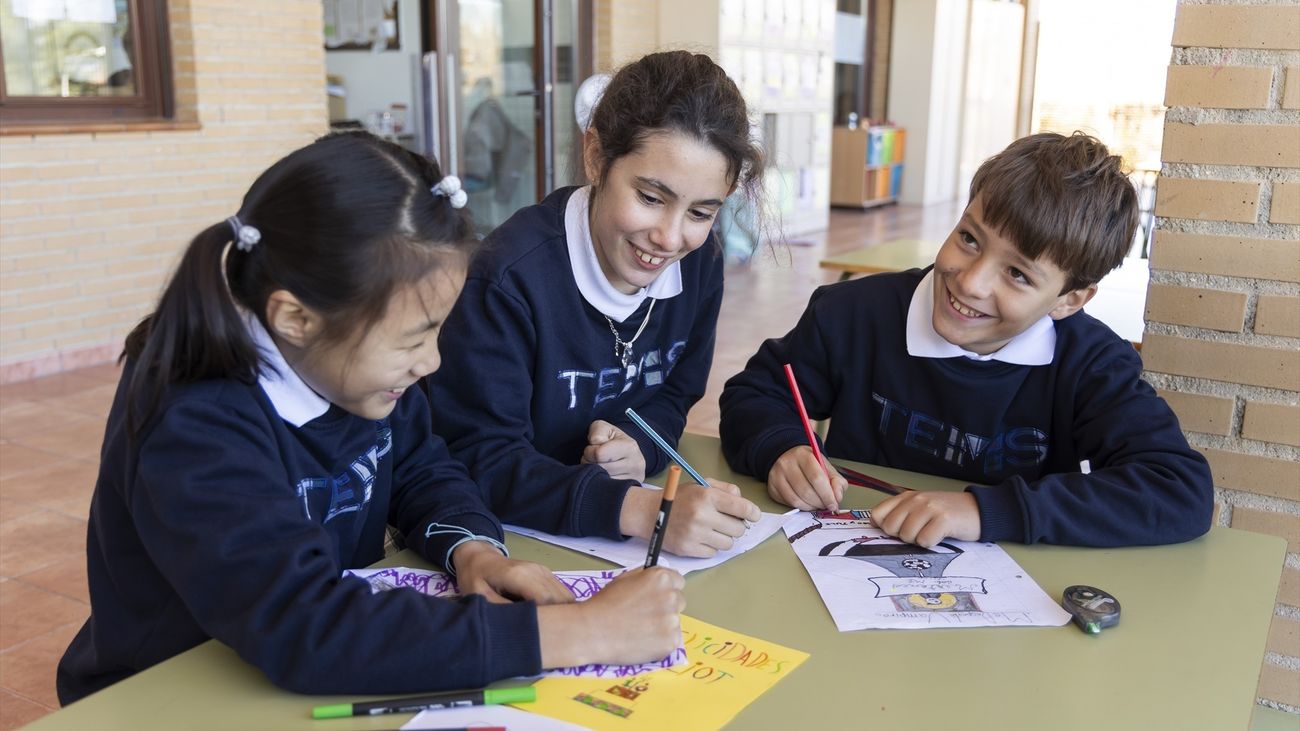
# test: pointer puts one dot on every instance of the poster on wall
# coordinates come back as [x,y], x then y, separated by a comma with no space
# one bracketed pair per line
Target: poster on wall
[361,25]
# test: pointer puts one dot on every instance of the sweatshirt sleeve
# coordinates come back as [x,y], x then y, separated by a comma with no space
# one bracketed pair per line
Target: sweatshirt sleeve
[434,504]
[688,379]
[759,420]
[482,405]
[213,506]
[1146,485]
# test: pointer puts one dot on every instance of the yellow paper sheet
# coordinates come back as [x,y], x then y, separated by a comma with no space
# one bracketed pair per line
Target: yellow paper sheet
[725,671]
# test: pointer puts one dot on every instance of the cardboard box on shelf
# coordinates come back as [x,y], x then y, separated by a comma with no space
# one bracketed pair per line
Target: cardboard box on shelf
[336,94]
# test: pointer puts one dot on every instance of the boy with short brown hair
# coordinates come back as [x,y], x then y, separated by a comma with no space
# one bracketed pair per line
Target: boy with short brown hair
[983,368]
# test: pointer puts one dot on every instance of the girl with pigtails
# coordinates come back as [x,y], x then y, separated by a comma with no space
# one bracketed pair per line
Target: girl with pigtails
[265,432]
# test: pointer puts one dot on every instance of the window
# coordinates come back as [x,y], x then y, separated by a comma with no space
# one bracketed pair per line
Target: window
[72,62]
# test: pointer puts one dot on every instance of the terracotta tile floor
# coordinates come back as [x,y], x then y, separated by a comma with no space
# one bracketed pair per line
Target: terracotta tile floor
[51,429]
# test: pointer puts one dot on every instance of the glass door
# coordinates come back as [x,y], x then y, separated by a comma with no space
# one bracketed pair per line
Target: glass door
[491,79]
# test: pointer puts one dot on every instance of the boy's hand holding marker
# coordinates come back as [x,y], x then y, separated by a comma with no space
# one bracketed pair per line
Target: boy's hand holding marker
[798,479]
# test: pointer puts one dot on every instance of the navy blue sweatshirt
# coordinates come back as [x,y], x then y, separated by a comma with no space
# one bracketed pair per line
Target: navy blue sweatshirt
[224,521]
[528,364]
[1020,430]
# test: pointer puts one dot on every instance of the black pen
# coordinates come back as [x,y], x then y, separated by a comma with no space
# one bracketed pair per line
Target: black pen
[415,704]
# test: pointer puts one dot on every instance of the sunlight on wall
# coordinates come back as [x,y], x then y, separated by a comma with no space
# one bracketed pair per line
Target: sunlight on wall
[1101,68]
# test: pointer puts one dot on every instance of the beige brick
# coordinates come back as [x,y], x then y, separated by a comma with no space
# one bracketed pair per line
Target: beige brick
[1284,636]
[1251,473]
[1272,145]
[1238,26]
[1233,256]
[1231,362]
[32,226]
[12,317]
[1291,88]
[1226,87]
[1279,684]
[1207,200]
[1196,307]
[1288,591]
[1277,423]
[1199,413]
[1278,315]
[1283,525]
[1286,203]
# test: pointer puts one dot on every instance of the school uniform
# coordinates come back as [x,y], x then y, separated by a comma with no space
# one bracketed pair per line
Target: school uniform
[529,362]
[1016,424]
[232,516]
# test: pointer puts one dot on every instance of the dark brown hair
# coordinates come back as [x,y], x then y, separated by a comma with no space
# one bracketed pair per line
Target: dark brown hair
[1065,198]
[344,222]
[682,92]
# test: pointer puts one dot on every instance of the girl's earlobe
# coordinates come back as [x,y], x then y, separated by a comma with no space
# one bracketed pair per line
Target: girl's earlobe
[591,159]
[288,318]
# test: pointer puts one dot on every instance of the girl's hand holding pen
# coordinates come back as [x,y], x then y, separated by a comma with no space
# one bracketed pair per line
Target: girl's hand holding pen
[635,618]
[799,480]
[705,519]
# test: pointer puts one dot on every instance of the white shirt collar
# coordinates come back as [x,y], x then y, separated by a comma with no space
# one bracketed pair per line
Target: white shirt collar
[1035,346]
[593,285]
[292,398]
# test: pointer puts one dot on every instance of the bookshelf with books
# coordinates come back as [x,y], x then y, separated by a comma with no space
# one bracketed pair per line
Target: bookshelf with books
[866,165]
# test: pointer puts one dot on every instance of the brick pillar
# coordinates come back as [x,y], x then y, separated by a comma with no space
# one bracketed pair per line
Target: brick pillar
[1222,340]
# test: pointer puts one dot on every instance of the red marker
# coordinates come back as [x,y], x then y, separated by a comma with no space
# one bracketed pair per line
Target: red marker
[803,415]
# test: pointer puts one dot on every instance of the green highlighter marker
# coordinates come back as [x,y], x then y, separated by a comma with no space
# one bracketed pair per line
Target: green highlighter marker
[415,704]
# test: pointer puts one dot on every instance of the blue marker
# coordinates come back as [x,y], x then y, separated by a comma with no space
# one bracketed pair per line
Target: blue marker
[672,453]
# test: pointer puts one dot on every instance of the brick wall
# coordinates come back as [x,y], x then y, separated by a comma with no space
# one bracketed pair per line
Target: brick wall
[92,223]
[1223,312]
[625,31]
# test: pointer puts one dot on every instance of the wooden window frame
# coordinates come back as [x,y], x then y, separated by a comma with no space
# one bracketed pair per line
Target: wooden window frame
[152,71]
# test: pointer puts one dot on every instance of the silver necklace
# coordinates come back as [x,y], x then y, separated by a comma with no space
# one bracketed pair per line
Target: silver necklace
[623,350]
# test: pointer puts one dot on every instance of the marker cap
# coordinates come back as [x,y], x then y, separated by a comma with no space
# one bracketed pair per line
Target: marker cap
[338,710]
[525,694]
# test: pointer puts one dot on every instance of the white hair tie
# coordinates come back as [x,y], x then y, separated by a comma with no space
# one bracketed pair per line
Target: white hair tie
[245,236]
[587,97]
[450,187]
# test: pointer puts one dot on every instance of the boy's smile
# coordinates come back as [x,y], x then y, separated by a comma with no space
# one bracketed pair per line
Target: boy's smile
[986,292]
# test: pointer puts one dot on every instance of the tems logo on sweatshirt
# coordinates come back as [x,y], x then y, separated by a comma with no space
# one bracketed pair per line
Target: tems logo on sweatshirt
[593,387]
[1008,452]
[348,491]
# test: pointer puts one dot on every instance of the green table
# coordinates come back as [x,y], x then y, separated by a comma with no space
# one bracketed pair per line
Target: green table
[1185,655]
[891,256]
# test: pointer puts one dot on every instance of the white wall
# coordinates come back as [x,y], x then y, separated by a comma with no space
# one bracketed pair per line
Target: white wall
[925,94]
[989,116]
[374,80]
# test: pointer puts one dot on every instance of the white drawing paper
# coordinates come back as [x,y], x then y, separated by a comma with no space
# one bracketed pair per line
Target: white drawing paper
[632,552]
[476,716]
[869,580]
[582,584]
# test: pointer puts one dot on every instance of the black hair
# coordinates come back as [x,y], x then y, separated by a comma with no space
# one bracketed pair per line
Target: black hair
[344,223]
